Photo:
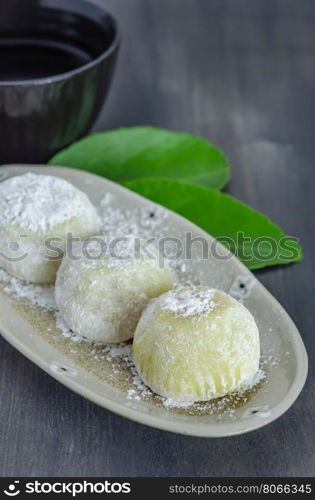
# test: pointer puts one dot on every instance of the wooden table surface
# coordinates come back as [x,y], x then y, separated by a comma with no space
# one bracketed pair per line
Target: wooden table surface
[240,73]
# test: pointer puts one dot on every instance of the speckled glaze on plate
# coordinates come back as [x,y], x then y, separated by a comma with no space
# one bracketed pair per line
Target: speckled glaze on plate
[33,332]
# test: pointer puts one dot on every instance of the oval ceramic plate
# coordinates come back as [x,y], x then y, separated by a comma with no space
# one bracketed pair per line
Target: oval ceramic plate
[109,383]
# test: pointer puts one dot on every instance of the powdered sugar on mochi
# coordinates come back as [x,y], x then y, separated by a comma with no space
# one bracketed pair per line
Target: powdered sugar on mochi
[119,252]
[37,203]
[187,302]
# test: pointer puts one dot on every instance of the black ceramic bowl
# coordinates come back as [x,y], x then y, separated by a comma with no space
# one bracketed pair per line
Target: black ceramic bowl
[57,59]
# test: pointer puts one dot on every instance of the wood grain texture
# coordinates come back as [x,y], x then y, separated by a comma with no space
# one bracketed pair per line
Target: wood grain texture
[240,73]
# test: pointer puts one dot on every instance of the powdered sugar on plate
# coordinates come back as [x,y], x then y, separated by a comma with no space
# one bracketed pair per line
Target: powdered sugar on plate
[145,222]
[38,295]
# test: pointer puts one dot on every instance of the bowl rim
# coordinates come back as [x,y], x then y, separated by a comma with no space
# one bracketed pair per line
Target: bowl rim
[114,45]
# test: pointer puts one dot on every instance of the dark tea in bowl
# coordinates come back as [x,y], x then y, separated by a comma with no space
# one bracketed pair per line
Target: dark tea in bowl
[57,62]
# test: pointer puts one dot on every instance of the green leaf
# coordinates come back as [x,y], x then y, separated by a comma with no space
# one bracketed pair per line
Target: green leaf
[250,235]
[137,152]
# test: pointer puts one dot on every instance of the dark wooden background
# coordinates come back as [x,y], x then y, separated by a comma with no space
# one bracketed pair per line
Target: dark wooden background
[240,73]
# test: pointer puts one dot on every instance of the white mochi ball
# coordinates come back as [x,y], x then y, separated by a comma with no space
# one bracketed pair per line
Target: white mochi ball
[101,294]
[37,213]
[196,344]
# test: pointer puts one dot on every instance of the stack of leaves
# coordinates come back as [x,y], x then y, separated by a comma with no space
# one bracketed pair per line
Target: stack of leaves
[185,174]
